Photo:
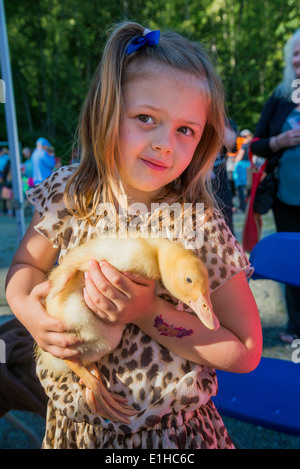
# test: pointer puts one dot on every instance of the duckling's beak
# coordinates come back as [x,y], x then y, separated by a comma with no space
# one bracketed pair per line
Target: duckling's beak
[204,310]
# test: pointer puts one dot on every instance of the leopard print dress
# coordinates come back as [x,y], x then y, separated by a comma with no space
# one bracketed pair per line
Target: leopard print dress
[171,394]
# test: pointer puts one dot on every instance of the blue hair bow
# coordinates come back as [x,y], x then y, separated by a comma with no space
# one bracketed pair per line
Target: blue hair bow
[149,39]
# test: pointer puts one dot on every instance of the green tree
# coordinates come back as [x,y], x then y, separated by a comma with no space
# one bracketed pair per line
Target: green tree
[55,47]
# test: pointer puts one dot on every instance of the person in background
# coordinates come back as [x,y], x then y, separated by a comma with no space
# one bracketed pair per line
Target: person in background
[42,162]
[4,159]
[241,165]
[26,169]
[6,189]
[278,131]
[27,162]
[219,181]
[230,164]
[20,388]
[243,153]
[51,152]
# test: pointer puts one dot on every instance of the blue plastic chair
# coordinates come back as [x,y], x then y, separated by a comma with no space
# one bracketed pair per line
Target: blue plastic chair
[270,395]
[277,257]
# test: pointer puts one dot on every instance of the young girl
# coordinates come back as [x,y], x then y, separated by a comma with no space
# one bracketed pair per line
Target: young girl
[151,126]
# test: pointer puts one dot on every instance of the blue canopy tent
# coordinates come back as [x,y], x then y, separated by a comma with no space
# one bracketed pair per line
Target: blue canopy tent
[7,95]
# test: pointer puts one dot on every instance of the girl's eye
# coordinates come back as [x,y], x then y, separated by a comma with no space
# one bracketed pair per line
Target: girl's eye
[146,119]
[185,130]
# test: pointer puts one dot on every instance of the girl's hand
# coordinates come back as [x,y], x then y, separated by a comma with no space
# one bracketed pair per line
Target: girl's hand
[49,333]
[118,297]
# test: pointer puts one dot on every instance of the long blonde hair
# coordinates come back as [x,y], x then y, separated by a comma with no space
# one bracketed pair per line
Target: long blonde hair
[284,89]
[97,179]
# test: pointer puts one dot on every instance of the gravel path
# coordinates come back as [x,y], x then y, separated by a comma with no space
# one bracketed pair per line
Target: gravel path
[269,296]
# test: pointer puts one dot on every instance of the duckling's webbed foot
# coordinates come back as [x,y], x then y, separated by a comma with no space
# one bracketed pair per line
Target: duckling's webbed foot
[102,402]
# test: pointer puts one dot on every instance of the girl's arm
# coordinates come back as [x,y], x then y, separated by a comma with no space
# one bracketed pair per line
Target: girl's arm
[236,346]
[26,286]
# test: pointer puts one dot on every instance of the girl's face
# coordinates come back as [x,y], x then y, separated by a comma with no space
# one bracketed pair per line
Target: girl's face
[296,59]
[164,117]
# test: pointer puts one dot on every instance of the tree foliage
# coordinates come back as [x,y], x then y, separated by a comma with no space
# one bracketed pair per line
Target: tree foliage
[55,47]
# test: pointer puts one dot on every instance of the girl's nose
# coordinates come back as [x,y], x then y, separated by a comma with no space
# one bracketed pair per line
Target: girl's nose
[162,142]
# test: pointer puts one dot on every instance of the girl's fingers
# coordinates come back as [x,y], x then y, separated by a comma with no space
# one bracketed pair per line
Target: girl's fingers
[112,295]
[47,322]
[88,301]
[95,299]
[123,280]
[50,324]
[111,282]
[115,277]
[138,279]
[63,340]
[60,345]
[42,289]
[97,281]
[90,304]
[62,353]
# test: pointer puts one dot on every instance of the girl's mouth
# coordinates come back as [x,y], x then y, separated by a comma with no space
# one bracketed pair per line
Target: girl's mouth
[155,164]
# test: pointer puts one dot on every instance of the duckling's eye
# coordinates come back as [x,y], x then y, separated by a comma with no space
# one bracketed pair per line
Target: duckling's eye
[188,280]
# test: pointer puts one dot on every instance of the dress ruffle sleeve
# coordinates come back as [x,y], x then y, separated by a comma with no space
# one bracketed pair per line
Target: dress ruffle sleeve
[47,199]
[223,256]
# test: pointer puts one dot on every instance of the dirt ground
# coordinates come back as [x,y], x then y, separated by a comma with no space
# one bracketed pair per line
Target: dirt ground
[270,300]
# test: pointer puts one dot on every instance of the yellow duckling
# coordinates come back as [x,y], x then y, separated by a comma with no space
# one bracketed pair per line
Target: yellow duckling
[181,272]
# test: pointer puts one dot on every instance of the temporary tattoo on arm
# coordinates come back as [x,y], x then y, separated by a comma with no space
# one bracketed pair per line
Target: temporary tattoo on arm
[170,330]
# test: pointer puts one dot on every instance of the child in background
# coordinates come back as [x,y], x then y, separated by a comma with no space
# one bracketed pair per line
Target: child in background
[151,127]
